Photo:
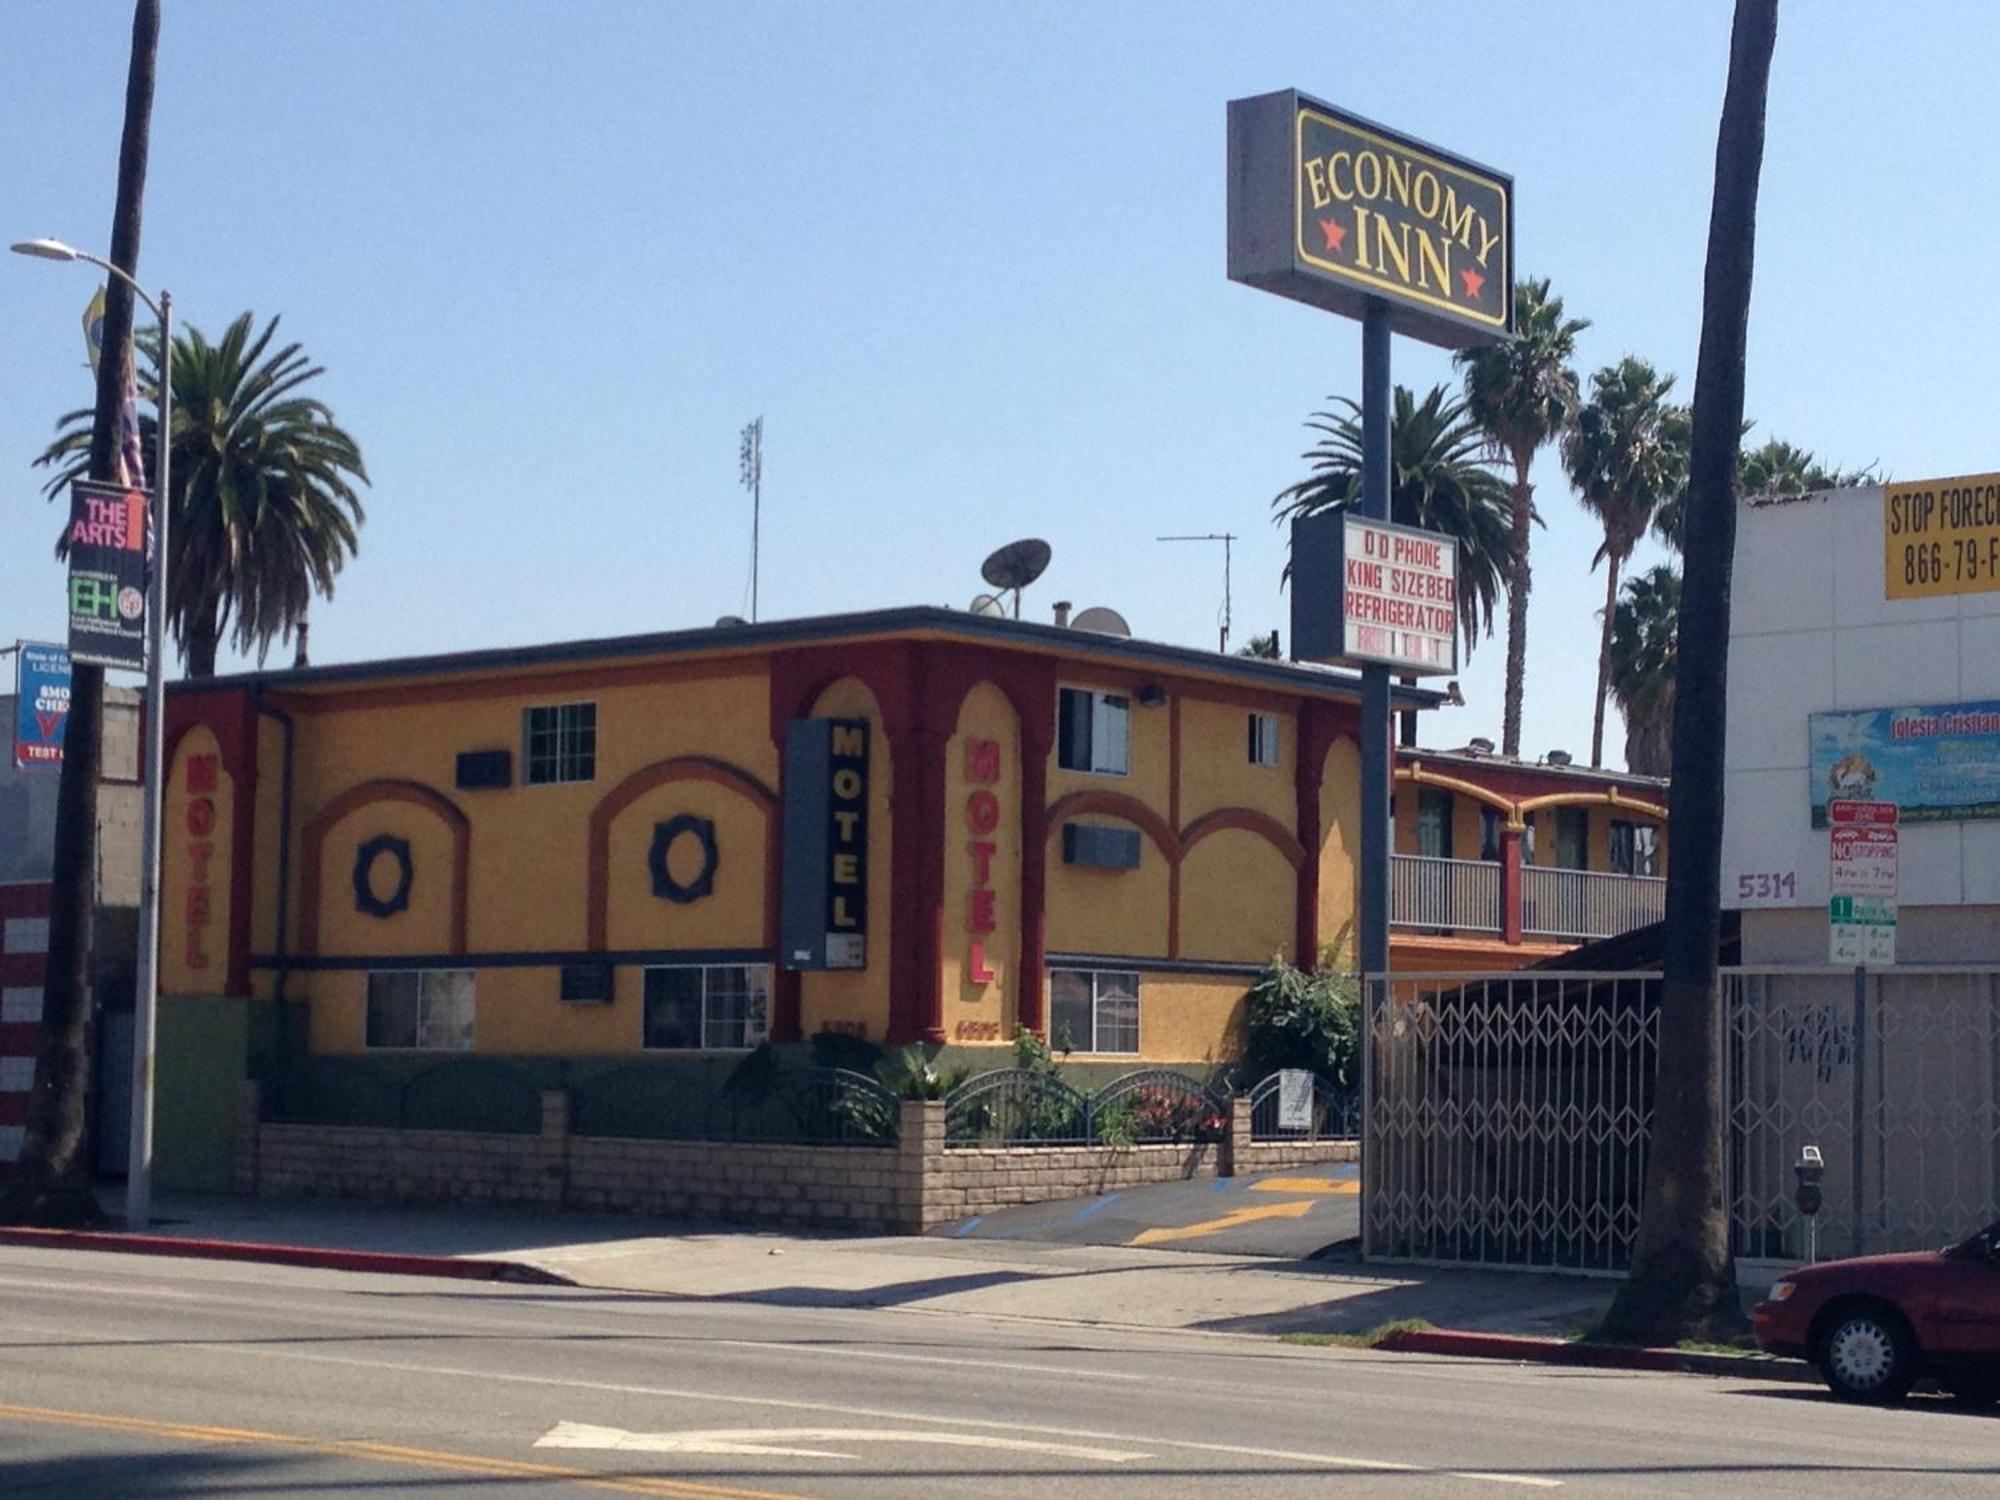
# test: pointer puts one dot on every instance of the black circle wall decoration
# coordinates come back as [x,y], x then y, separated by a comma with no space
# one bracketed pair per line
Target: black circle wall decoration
[365,899]
[664,885]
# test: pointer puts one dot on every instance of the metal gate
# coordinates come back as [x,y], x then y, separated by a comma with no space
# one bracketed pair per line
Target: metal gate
[1507,1115]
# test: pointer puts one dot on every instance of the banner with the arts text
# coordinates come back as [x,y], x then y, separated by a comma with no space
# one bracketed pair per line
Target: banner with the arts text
[107,574]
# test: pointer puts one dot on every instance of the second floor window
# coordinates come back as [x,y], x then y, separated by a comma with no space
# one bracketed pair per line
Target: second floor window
[1094,732]
[1635,848]
[559,743]
[1263,739]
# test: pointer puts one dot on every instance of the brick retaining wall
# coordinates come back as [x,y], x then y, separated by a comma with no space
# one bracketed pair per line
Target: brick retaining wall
[905,1188]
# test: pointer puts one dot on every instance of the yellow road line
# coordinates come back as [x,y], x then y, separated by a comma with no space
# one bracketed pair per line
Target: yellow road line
[464,1463]
[1307,1185]
[1296,1208]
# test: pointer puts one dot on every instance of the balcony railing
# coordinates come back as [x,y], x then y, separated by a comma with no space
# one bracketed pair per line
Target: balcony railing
[1464,895]
[1588,903]
[1444,895]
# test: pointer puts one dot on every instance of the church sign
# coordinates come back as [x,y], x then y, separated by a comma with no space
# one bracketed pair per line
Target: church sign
[1331,210]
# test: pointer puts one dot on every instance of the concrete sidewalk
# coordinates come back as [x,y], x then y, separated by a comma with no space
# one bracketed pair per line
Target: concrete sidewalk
[1164,1289]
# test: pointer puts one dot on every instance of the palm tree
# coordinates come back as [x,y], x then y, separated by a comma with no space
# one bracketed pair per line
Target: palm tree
[1642,667]
[1523,394]
[50,1182]
[1438,481]
[1777,468]
[265,508]
[1627,456]
[1265,646]
[1682,1282]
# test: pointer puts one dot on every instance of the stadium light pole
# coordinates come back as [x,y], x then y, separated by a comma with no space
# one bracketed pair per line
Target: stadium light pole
[139,1157]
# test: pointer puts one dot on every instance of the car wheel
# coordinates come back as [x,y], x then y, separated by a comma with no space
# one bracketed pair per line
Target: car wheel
[1867,1354]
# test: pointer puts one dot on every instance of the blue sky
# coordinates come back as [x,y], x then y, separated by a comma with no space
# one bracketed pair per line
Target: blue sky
[967,262]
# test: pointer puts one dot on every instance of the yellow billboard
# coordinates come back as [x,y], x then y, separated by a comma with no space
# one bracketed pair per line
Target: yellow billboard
[1941,536]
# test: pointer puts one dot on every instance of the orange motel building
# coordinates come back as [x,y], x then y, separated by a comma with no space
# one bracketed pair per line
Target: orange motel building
[912,825]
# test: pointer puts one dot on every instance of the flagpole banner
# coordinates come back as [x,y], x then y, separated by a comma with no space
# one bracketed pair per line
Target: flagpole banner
[41,704]
[107,574]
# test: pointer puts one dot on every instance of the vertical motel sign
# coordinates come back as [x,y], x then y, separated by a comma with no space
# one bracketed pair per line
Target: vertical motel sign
[1344,215]
[824,890]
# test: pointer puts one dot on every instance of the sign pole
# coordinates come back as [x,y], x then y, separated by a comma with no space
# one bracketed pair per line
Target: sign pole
[1375,767]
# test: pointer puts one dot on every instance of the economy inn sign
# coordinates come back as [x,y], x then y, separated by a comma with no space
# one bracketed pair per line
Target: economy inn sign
[1330,209]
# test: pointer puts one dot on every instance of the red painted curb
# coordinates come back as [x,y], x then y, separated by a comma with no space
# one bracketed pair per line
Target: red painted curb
[1594,1356]
[380,1262]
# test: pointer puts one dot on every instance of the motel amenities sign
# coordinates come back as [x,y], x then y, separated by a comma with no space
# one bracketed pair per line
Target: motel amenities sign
[1331,209]
[1377,593]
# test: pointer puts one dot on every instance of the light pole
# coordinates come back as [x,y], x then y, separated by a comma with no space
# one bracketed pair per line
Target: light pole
[139,1163]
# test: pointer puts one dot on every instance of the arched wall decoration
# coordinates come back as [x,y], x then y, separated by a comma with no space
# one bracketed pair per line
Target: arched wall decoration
[353,800]
[365,900]
[679,768]
[1174,846]
[664,834]
[1517,809]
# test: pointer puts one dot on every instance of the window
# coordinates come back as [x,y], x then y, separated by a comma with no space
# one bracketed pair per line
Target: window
[560,743]
[1572,838]
[1095,732]
[1489,833]
[1263,739]
[1434,818]
[1528,839]
[1094,1010]
[707,1008]
[1635,848]
[427,1010]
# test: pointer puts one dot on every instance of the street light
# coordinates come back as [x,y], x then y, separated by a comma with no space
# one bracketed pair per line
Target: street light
[139,1164]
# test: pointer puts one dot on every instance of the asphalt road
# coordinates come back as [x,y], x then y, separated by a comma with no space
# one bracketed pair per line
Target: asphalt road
[1294,1215]
[142,1378]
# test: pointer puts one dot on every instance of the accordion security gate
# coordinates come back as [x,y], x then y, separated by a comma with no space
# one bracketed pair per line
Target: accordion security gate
[1507,1115]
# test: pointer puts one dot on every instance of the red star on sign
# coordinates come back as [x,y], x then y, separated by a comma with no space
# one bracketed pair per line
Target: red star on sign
[1336,234]
[1475,283]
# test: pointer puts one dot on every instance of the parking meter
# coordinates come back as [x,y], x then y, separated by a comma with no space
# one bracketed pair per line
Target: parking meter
[1811,1172]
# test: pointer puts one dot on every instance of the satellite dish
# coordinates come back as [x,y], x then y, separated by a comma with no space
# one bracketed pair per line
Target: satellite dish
[730,620]
[986,604]
[1015,566]
[1103,621]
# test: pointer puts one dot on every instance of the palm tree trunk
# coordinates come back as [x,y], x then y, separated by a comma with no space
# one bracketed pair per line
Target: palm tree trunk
[1682,1283]
[50,1183]
[1604,661]
[204,633]
[1519,582]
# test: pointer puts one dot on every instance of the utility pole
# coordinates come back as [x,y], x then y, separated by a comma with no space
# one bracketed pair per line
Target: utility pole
[1227,538]
[752,456]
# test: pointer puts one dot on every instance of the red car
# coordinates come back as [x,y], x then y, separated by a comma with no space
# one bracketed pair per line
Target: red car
[1876,1325]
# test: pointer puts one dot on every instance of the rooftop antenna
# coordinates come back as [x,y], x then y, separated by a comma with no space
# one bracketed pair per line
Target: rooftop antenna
[752,457]
[1226,538]
[1015,566]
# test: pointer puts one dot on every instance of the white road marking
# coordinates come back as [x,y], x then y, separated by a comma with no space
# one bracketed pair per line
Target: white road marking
[918,1359]
[764,1441]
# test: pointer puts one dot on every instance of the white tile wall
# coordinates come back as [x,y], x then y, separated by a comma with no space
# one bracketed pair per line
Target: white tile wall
[25,935]
[1784,567]
[21,1003]
[1775,681]
[1888,666]
[1979,657]
[17,1075]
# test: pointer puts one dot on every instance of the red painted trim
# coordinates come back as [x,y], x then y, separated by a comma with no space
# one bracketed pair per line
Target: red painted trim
[530,687]
[1116,805]
[352,800]
[231,715]
[1316,732]
[375,1262]
[1511,885]
[1245,820]
[648,778]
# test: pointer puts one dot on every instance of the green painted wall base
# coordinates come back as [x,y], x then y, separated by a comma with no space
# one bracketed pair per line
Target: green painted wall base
[203,1052]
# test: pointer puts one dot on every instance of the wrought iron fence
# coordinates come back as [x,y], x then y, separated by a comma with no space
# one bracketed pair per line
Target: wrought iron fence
[1333,1112]
[1028,1107]
[1588,903]
[484,1094]
[1506,1117]
[817,1106]
[1444,894]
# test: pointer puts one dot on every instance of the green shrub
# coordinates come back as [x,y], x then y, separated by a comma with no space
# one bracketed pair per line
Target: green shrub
[1298,1020]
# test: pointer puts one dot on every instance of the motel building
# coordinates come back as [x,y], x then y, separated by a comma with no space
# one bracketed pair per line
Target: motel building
[914,825]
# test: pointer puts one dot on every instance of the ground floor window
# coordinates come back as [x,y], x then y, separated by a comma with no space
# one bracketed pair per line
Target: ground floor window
[1094,1010]
[421,1009]
[707,1007]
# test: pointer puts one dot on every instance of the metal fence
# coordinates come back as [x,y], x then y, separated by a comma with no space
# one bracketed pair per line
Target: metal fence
[1444,894]
[1029,1107]
[1507,1116]
[1588,903]
[1334,1112]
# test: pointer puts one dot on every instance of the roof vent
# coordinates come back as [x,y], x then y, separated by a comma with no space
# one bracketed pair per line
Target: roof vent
[1559,757]
[1062,614]
[1480,746]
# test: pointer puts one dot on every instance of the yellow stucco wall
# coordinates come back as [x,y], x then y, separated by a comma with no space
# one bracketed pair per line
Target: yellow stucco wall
[976,1012]
[1151,752]
[425,925]
[1190,1018]
[1340,844]
[195,912]
[1215,762]
[1239,899]
[1106,911]
[858,999]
